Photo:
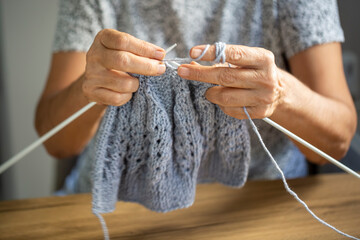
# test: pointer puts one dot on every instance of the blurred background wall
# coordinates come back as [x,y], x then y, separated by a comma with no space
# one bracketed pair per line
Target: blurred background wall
[27,30]
[350,21]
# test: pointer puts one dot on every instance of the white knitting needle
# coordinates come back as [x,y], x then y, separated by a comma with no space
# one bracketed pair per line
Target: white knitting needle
[175,64]
[170,48]
[52,132]
[45,137]
[311,147]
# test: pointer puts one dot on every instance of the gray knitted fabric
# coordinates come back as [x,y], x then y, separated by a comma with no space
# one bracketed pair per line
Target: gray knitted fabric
[284,27]
[156,148]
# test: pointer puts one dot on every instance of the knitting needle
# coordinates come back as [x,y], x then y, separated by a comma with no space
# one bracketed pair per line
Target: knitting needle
[171,48]
[173,64]
[51,133]
[170,61]
[311,147]
[45,137]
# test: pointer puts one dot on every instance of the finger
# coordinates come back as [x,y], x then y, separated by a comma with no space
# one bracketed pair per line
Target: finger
[120,41]
[239,113]
[236,112]
[117,81]
[108,97]
[237,54]
[224,76]
[232,97]
[128,62]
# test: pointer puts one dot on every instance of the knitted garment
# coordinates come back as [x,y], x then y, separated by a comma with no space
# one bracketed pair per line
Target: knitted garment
[157,147]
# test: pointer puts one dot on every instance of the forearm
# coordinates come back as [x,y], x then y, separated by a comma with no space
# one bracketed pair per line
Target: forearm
[325,122]
[57,107]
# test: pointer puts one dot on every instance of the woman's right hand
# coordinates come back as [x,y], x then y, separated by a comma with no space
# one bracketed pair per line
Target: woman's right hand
[110,58]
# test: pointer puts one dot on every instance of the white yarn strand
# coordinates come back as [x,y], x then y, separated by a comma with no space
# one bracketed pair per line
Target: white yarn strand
[203,53]
[103,225]
[220,52]
[288,189]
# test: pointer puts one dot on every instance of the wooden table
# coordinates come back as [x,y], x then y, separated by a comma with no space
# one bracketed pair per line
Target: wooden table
[261,210]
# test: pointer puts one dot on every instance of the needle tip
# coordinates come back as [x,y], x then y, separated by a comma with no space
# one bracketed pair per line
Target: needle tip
[170,48]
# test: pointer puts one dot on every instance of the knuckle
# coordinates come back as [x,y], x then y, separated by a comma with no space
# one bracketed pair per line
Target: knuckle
[273,85]
[265,97]
[104,33]
[120,99]
[258,113]
[264,112]
[90,54]
[117,100]
[131,85]
[267,78]
[127,97]
[197,74]
[94,54]
[100,34]
[268,98]
[261,113]
[86,88]
[273,97]
[272,76]
[268,112]
[92,57]
[134,85]
[122,41]
[236,53]
[269,57]
[144,48]
[226,77]
[122,59]
[150,68]
[258,75]
[224,99]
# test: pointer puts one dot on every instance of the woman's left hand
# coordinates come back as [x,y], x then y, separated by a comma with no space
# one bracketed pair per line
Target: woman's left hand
[253,80]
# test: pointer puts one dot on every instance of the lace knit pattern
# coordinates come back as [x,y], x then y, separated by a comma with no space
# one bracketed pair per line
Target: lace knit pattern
[156,148]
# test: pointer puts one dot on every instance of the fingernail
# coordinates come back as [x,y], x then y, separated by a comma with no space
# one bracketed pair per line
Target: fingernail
[183,71]
[196,52]
[161,68]
[159,54]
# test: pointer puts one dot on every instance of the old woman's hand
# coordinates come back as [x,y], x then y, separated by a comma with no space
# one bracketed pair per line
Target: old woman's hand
[253,80]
